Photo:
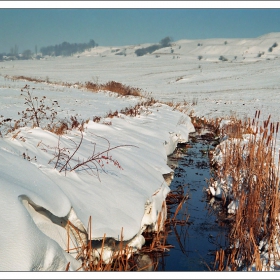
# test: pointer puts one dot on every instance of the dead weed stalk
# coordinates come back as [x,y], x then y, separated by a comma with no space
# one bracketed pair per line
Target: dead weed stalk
[65,158]
[123,257]
[254,175]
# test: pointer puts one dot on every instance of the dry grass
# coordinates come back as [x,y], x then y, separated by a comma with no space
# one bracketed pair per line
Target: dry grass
[113,86]
[123,257]
[254,176]
[92,258]
[59,129]
[133,111]
[210,124]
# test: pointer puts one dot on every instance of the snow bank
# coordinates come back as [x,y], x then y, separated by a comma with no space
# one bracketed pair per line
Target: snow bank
[37,200]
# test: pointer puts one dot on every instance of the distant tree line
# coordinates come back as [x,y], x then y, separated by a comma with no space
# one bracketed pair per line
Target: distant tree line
[67,49]
[64,49]
[165,42]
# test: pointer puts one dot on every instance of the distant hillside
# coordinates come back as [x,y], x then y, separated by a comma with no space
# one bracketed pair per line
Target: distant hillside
[217,49]
[226,49]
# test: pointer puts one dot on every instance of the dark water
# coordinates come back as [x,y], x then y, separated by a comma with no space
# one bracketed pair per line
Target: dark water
[194,244]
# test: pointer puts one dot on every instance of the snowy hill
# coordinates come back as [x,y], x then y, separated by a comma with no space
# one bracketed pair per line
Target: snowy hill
[208,48]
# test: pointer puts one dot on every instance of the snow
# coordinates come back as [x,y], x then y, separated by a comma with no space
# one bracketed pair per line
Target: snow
[37,200]
[43,199]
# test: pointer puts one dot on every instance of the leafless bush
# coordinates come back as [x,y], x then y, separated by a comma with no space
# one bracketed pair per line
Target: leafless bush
[38,113]
[65,159]
[37,110]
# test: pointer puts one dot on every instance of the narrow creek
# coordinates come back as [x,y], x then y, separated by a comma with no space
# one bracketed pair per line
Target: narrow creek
[195,243]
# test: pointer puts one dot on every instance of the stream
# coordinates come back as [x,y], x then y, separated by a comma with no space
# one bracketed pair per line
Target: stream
[195,244]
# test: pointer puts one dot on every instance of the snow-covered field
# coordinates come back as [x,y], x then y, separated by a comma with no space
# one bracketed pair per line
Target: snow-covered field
[37,200]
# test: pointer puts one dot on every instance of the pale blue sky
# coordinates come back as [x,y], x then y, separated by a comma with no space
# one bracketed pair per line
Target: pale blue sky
[27,27]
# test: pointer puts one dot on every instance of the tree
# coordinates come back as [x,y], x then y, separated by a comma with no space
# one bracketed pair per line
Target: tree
[27,54]
[16,50]
[92,43]
[165,42]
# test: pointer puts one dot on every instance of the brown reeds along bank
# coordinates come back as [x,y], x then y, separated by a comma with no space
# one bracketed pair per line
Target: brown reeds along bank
[122,256]
[250,165]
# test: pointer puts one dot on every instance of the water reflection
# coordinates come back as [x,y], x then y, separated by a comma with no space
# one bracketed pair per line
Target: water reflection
[196,240]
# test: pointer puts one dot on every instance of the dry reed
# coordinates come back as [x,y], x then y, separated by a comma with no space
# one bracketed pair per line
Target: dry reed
[254,176]
[123,257]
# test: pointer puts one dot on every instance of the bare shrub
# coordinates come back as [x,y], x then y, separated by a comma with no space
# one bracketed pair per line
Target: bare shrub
[96,119]
[222,58]
[36,110]
[65,160]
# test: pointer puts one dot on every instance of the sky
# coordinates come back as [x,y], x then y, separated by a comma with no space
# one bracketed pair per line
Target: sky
[118,23]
